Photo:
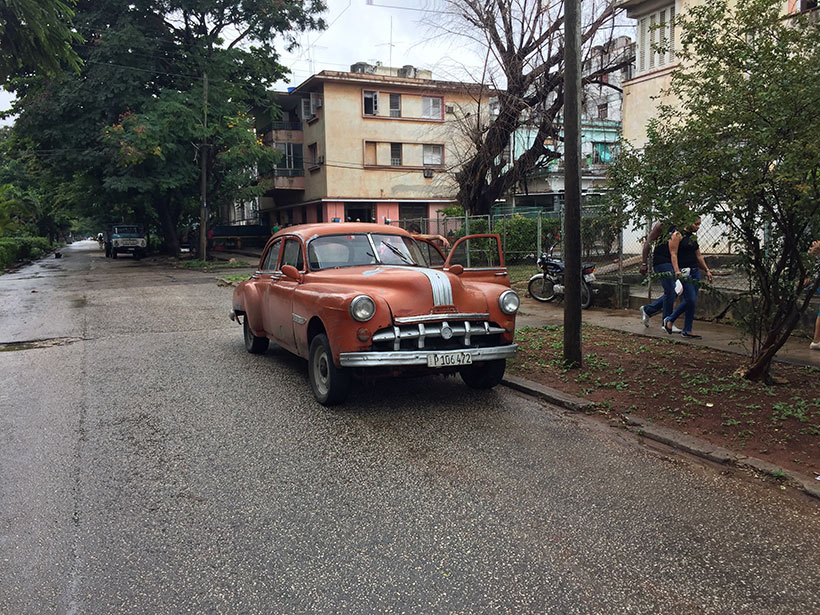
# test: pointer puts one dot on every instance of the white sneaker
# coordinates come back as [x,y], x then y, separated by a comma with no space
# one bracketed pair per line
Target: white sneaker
[674,328]
[644,317]
[815,345]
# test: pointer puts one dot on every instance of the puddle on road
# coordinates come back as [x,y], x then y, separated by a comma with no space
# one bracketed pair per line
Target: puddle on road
[32,344]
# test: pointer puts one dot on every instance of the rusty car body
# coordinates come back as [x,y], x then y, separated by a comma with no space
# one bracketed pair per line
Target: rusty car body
[373,300]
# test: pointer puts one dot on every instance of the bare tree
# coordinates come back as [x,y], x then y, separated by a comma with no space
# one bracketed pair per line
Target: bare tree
[522,42]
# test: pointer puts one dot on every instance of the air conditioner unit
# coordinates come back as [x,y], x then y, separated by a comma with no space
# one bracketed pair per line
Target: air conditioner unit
[428,173]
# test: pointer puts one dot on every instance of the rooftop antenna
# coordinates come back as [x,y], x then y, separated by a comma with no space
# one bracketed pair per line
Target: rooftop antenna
[390,44]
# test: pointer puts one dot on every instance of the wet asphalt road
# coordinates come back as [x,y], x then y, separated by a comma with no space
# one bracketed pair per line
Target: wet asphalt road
[149,465]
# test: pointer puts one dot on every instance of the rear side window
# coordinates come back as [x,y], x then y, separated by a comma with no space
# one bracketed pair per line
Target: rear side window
[292,254]
[269,264]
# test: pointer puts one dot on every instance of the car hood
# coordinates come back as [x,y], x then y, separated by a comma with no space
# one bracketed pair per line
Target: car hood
[410,291]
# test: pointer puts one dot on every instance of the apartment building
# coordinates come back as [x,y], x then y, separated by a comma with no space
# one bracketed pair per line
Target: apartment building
[600,130]
[372,144]
[646,90]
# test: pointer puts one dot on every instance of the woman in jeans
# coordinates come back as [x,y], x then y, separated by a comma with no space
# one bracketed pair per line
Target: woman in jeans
[684,253]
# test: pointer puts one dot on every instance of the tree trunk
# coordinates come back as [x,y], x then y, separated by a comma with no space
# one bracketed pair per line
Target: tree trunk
[758,369]
[168,225]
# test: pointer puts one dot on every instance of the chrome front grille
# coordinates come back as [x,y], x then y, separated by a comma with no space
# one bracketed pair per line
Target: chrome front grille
[439,335]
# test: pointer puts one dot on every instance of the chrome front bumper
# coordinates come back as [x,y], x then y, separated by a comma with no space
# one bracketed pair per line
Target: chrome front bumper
[419,357]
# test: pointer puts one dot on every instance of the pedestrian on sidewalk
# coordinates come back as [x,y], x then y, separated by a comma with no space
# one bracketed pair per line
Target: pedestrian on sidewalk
[662,264]
[684,253]
[814,250]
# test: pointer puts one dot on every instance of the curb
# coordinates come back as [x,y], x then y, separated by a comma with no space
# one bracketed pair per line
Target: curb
[665,435]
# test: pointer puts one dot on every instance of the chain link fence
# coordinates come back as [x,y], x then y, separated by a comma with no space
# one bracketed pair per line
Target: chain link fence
[615,251]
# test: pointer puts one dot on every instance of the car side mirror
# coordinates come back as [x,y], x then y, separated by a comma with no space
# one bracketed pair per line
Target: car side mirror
[456,269]
[291,272]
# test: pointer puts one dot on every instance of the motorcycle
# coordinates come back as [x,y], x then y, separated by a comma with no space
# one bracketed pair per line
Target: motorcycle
[549,284]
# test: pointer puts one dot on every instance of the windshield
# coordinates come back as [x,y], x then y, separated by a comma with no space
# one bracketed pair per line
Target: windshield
[126,230]
[363,249]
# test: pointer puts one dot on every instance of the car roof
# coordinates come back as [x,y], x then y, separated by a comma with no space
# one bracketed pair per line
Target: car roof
[306,231]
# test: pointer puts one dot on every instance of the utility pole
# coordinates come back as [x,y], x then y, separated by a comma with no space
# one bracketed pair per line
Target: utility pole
[203,157]
[572,183]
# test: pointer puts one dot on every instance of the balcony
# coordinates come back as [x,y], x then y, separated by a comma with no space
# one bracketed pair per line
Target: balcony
[284,132]
[289,178]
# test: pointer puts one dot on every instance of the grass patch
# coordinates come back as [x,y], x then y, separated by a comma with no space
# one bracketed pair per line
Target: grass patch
[211,265]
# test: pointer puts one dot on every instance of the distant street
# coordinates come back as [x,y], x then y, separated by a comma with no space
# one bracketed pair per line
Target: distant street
[149,465]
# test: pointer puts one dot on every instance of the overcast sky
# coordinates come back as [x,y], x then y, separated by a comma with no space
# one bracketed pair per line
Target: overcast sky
[393,32]
[362,31]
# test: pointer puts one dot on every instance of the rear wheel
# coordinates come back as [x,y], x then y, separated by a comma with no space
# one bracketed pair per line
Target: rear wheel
[253,344]
[484,375]
[330,384]
[542,288]
[586,295]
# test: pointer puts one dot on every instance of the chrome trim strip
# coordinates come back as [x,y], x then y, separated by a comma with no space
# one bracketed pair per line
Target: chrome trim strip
[419,357]
[411,320]
[458,330]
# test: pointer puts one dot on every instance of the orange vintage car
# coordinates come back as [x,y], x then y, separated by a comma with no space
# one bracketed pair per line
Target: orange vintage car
[373,300]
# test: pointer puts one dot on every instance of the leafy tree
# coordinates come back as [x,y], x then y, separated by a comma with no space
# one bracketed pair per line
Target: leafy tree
[36,35]
[743,146]
[523,44]
[126,135]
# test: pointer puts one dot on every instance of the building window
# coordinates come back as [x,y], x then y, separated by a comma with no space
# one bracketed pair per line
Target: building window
[395,154]
[603,111]
[291,161]
[601,153]
[371,103]
[433,155]
[395,105]
[431,107]
[313,154]
[307,113]
[369,153]
[656,30]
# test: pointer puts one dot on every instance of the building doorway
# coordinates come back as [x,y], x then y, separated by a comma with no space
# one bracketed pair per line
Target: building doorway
[359,212]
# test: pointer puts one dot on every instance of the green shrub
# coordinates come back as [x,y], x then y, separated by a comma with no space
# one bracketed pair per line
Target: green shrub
[16,249]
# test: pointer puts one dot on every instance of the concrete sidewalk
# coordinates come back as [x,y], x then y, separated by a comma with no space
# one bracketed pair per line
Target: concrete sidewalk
[717,336]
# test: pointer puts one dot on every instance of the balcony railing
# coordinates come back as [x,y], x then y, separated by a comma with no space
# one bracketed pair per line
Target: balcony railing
[289,172]
[286,126]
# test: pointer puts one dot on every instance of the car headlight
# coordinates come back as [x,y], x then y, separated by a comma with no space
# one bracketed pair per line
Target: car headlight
[509,302]
[362,308]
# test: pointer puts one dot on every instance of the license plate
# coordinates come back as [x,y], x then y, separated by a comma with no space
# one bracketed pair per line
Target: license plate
[128,242]
[589,277]
[449,359]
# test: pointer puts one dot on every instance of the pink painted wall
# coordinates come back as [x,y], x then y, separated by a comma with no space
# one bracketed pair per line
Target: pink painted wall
[387,210]
[333,210]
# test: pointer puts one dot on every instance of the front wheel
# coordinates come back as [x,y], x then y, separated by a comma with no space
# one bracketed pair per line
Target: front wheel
[586,295]
[542,288]
[253,344]
[330,384]
[484,375]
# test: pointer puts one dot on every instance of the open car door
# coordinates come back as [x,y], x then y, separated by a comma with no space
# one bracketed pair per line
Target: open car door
[481,258]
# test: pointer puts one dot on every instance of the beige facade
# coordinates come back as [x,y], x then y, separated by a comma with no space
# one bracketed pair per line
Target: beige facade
[655,21]
[372,146]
